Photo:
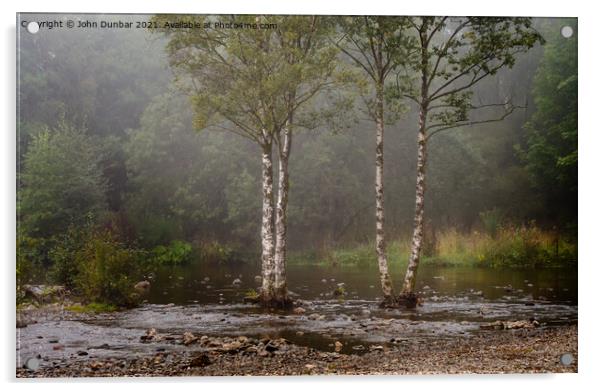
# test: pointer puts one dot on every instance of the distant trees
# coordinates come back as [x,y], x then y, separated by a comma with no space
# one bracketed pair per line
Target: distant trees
[62,182]
[252,82]
[453,55]
[550,152]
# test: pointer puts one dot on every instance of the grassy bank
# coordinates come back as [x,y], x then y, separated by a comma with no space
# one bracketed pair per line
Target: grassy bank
[516,247]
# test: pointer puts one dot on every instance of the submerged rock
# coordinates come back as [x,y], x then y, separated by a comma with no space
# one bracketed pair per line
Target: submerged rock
[189,338]
[510,325]
[338,346]
[151,334]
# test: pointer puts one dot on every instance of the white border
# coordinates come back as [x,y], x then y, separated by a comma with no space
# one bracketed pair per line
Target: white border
[590,151]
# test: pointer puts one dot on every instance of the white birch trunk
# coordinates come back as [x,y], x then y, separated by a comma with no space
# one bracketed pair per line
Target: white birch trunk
[417,237]
[381,247]
[267,224]
[281,216]
[407,295]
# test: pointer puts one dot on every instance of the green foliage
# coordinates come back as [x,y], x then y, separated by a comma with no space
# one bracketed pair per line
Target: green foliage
[252,294]
[62,181]
[217,253]
[550,152]
[512,247]
[177,253]
[107,271]
[63,255]
[95,308]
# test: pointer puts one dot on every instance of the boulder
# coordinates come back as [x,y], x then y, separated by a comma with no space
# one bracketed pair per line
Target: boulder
[142,287]
[44,293]
[299,311]
[237,282]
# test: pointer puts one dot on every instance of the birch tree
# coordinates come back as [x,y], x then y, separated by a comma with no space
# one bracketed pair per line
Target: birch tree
[376,45]
[452,56]
[253,80]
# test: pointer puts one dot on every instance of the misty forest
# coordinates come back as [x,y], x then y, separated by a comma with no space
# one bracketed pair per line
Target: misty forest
[297,195]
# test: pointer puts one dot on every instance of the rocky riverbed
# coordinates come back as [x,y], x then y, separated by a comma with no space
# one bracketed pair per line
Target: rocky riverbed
[519,351]
[324,337]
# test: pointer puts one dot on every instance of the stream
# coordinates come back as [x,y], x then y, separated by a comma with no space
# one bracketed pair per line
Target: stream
[208,301]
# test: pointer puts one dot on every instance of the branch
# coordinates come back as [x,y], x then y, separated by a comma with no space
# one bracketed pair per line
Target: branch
[443,127]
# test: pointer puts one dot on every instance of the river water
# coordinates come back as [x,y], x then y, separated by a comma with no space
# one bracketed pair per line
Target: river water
[207,301]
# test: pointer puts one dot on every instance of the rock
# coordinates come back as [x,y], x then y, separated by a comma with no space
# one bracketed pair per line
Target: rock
[521,324]
[358,347]
[366,313]
[258,279]
[82,353]
[189,338]
[300,333]
[150,335]
[232,347]
[58,347]
[338,347]
[376,348]
[271,346]
[142,287]
[96,365]
[237,281]
[497,325]
[202,360]
[44,293]
[314,316]
[21,323]
[299,311]
[511,325]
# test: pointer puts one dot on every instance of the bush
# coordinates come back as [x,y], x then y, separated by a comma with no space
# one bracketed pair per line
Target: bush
[107,271]
[62,255]
[177,253]
[217,253]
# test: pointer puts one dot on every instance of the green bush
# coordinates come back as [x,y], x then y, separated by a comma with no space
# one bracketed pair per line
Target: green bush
[177,253]
[107,271]
[62,255]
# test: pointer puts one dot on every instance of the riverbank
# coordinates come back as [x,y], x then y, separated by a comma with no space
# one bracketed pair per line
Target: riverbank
[507,247]
[510,351]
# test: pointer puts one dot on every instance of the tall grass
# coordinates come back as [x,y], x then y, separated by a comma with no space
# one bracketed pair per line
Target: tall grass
[507,246]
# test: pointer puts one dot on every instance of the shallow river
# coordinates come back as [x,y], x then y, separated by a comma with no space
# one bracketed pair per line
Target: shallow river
[457,301]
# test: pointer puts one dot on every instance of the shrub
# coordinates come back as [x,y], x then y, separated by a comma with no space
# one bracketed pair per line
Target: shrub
[107,271]
[217,253]
[177,253]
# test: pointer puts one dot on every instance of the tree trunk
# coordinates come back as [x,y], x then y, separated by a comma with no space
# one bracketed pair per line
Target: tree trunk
[408,297]
[267,225]
[284,148]
[381,246]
